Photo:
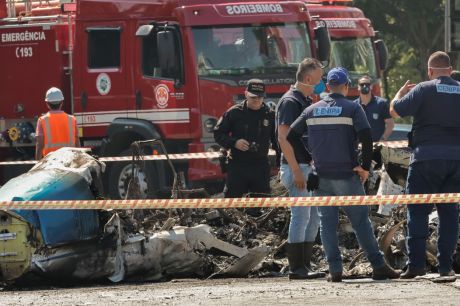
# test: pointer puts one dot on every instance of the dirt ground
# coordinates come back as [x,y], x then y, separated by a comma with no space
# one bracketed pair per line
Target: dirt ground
[260,291]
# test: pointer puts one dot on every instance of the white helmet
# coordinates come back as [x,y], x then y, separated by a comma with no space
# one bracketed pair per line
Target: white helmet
[54,96]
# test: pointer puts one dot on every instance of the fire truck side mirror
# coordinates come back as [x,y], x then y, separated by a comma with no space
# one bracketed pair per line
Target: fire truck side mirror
[324,44]
[382,52]
[167,52]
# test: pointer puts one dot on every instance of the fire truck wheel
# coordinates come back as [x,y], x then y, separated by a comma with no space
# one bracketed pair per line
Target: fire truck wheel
[121,184]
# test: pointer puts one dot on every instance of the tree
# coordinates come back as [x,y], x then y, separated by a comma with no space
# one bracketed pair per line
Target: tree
[412,30]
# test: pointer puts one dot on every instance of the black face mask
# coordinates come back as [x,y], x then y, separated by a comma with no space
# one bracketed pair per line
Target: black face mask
[365,89]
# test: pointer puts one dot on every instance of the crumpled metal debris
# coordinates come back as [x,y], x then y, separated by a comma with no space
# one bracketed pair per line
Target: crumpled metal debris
[127,246]
[387,186]
[74,160]
[116,255]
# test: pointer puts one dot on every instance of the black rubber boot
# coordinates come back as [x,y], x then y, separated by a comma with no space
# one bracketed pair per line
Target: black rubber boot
[385,272]
[307,253]
[412,273]
[445,277]
[297,269]
[335,277]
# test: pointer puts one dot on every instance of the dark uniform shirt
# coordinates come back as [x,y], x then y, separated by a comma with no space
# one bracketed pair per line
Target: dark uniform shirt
[435,106]
[332,125]
[289,108]
[241,122]
[377,111]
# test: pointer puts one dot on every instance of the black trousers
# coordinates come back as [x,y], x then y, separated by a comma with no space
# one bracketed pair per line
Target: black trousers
[246,177]
[432,176]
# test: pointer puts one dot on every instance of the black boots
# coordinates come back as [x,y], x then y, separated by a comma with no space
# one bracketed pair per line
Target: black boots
[297,269]
[307,254]
[296,255]
[385,272]
[335,277]
[445,277]
[412,273]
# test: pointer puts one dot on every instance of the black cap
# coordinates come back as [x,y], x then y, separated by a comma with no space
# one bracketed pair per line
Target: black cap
[256,88]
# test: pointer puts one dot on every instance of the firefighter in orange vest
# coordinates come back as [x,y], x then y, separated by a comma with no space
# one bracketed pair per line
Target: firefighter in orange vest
[55,129]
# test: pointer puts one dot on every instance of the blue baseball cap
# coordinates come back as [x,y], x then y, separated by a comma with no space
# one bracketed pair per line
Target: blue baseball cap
[337,76]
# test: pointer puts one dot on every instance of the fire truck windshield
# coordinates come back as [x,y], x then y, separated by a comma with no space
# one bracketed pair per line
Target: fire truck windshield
[243,50]
[356,55]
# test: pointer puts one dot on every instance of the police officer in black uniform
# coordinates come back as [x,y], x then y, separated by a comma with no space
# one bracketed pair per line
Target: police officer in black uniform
[247,129]
[435,161]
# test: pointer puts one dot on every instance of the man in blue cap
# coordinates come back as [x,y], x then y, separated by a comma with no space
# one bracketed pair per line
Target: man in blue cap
[334,126]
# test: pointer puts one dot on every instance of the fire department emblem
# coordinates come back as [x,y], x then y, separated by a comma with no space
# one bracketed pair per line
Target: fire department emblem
[103,84]
[162,95]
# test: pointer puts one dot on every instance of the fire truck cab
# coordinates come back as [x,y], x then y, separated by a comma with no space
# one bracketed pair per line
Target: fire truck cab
[353,42]
[135,70]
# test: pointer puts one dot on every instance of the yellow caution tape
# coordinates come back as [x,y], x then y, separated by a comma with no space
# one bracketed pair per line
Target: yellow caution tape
[185,156]
[448,198]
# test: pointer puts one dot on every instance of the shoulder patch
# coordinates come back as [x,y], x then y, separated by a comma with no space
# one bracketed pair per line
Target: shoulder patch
[449,89]
[327,111]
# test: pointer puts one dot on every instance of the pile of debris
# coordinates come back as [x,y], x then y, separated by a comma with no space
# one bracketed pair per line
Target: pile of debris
[164,244]
[256,227]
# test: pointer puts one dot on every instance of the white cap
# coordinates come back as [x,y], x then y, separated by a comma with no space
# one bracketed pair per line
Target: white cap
[54,96]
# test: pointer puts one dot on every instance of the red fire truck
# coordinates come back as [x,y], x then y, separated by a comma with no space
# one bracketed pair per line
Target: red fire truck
[353,42]
[134,70]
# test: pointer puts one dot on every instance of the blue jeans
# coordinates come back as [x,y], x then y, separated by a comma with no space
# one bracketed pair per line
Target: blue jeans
[359,219]
[304,220]
[433,176]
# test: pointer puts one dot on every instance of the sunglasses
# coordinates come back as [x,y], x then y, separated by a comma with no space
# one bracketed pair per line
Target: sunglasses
[364,84]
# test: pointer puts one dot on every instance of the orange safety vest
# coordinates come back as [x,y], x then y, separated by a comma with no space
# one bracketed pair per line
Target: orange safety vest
[59,131]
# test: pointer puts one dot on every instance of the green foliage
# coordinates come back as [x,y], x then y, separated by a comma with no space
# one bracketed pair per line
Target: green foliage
[412,30]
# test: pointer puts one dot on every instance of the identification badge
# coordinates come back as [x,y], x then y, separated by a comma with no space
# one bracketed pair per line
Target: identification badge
[333,111]
[375,116]
[265,122]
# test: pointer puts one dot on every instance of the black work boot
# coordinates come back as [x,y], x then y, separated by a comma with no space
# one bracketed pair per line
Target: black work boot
[385,272]
[297,269]
[444,274]
[334,277]
[412,273]
[445,277]
[307,253]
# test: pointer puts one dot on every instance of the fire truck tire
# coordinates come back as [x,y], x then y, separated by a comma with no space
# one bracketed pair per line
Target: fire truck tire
[119,180]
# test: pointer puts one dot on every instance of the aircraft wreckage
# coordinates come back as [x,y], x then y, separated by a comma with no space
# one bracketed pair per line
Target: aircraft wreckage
[85,245]
[76,245]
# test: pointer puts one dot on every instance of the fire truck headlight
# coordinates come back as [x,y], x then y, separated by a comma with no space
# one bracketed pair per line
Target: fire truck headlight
[209,124]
